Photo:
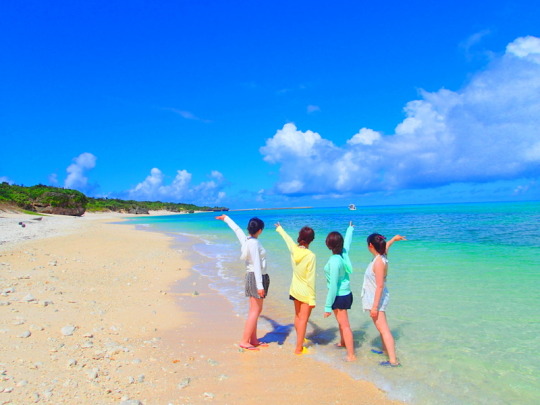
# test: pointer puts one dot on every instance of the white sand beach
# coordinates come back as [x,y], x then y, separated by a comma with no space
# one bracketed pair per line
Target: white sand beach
[100,313]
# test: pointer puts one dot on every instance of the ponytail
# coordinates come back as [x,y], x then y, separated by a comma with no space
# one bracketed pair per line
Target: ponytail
[378,242]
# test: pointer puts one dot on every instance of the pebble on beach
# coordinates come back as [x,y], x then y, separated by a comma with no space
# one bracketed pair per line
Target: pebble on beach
[68,330]
[25,334]
[28,298]
[184,383]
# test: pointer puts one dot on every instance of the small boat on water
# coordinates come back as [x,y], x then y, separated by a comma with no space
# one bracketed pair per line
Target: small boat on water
[352,207]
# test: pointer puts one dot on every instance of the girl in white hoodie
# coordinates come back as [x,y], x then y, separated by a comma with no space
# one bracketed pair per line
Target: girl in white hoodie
[257,281]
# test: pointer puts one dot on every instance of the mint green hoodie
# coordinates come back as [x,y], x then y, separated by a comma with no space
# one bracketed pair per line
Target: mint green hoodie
[337,272]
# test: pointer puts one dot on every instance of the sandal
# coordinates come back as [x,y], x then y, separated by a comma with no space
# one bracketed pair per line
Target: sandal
[248,347]
[261,344]
[388,364]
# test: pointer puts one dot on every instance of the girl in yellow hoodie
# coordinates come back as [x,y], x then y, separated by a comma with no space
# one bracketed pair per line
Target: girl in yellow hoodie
[302,290]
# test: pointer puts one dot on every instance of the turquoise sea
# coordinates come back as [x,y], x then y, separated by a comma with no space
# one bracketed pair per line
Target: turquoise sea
[464,307]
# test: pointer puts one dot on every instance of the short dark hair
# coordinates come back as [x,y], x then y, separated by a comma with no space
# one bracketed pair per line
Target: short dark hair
[254,225]
[305,236]
[378,241]
[334,242]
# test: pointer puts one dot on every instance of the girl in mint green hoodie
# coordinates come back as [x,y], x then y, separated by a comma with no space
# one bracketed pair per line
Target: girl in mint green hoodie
[339,298]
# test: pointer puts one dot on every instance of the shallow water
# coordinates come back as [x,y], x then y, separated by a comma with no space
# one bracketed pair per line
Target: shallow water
[464,308]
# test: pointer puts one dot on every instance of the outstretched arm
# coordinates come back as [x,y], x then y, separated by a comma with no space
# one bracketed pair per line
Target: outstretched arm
[288,240]
[239,232]
[394,239]
[348,237]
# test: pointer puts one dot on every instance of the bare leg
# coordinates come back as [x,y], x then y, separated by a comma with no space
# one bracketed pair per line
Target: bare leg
[302,311]
[341,342]
[249,338]
[346,332]
[388,340]
[383,345]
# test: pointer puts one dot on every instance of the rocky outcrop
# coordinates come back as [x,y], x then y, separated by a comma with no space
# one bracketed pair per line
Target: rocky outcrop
[138,211]
[75,211]
[60,204]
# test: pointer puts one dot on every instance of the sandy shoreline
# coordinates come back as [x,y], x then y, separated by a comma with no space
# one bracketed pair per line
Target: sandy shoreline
[99,313]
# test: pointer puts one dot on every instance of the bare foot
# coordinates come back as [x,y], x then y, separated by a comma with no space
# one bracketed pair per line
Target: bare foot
[304,350]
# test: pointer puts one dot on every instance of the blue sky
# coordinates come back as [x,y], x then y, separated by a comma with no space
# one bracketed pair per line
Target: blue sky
[273,103]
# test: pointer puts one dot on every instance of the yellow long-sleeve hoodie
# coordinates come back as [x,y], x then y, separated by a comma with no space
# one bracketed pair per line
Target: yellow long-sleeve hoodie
[303,264]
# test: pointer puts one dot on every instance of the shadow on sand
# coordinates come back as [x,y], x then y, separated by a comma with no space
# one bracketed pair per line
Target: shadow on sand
[279,332]
[320,336]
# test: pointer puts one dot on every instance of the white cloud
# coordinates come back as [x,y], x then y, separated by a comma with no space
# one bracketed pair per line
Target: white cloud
[525,47]
[487,131]
[4,179]
[217,175]
[289,142]
[76,178]
[365,136]
[313,108]
[180,189]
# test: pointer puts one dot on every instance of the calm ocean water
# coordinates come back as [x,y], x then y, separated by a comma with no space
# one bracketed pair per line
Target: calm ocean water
[464,308]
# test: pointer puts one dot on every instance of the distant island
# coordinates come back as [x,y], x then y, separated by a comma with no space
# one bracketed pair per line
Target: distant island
[55,200]
[278,208]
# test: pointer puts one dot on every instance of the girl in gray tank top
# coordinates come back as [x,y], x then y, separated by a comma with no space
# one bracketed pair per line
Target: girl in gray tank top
[375,295]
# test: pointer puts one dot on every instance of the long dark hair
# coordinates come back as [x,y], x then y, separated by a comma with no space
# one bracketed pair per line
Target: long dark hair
[334,242]
[378,241]
[305,236]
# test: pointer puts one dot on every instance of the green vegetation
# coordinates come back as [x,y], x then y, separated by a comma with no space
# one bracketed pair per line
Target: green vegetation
[29,198]
[114,204]
[42,198]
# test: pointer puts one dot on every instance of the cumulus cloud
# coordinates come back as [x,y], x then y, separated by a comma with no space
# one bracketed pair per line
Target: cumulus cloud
[313,108]
[289,142]
[154,187]
[76,178]
[487,131]
[525,47]
[365,136]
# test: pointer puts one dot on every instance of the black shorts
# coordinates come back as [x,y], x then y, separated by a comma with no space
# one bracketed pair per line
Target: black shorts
[343,302]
